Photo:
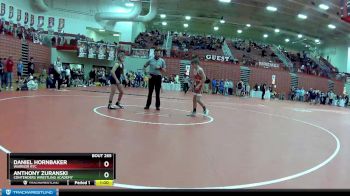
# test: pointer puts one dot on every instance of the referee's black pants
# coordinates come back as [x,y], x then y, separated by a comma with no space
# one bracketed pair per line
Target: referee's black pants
[154,83]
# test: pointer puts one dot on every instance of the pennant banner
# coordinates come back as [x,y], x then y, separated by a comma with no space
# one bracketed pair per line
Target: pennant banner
[51,22]
[26,18]
[11,12]
[3,8]
[19,15]
[31,20]
[40,21]
[61,24]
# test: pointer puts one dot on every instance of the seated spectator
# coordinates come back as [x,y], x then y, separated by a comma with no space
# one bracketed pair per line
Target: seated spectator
[50,82]
[32,84]
[239,91]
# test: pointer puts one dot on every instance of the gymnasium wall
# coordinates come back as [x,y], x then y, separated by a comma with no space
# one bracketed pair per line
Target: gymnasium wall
[339,56]
[307,82]
[258,75]
[10,46]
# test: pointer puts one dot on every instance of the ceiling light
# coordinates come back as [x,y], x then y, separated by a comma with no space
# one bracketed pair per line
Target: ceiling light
[239,31]
[323,6]
[162,16]
[331,26]
[277,30]
[129,4]
[317,40]
[222,21]
[225,1]
[102,30]
[185,25]
[266,35]
[216,28]
[271,8]
[164,23]
[287,40]
[116,35]
[248,25]
[302,16]
[188,17]
[300,36]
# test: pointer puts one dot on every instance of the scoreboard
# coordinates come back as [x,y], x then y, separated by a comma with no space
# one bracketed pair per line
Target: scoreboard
[92,169]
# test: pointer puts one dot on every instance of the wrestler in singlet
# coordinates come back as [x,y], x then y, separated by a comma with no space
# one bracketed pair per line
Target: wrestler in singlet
[198,78]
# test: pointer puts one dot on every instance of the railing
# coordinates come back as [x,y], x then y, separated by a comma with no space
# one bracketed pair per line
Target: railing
[226,50]
[283,57]
[168,43]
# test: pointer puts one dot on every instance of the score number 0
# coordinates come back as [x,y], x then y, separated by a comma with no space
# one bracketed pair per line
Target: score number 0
[106,164]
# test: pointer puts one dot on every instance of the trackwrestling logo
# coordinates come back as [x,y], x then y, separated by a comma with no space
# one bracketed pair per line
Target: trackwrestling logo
[29,192]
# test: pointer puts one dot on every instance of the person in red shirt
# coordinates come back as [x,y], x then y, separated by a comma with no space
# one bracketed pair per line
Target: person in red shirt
[9,72]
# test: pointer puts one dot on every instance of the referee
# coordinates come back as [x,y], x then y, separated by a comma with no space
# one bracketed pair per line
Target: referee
[157,67]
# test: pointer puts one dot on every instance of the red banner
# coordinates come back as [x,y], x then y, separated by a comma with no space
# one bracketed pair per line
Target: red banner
[26,18]
[11,12]
[32,20]
[3,8]
[19,15]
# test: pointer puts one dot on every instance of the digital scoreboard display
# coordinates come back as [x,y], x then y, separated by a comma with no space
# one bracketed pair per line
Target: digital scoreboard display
[93,169]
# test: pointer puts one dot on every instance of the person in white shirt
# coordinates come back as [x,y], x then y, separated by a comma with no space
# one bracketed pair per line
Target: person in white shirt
[226,86]
[248,89]
[58,72]
[68,75]
[32,84]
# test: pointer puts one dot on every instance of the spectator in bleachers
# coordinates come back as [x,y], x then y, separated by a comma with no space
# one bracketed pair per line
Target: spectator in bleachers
[50,82]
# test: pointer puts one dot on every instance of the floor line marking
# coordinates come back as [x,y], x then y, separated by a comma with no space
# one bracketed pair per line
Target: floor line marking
[251,185]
